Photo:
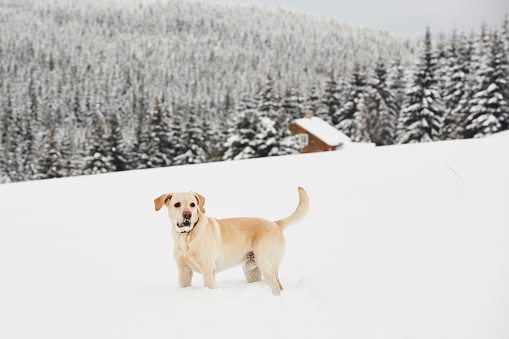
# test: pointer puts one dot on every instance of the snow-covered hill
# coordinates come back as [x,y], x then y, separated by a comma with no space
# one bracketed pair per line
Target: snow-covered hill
[400,242]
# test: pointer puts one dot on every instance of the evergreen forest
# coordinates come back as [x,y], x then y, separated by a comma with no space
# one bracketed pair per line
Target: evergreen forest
[94,87]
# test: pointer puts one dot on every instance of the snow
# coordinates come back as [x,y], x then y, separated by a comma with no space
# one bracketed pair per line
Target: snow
[492,88]
[325,132]
[406,241]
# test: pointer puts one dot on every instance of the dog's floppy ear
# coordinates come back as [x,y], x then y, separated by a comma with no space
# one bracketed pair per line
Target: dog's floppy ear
[201,201]
[159,202]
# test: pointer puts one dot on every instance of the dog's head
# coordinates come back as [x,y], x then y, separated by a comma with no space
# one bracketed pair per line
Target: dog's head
[184,209]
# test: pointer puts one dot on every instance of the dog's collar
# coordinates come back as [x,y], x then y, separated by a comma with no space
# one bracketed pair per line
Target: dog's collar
[187,232]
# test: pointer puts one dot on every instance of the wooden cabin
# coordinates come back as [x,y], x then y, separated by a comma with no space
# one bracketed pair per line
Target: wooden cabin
[316,135]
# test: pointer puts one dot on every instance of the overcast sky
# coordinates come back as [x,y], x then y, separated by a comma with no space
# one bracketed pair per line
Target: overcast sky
[408,17]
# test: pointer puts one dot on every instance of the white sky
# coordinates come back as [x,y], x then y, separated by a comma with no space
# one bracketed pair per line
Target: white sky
[400,16]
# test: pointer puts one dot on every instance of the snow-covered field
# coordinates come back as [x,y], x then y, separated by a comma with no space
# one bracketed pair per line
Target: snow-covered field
[401,242]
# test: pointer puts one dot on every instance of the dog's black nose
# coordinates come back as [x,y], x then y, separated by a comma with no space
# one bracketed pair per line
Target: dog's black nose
[186,215]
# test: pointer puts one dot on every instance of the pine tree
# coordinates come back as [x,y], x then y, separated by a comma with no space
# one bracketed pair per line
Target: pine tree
[26,149]
[193,137]
[504,34]
[242,142]
[161,136]
[155,139]
[15,144]
[422,113]
[489,108]
[51,163]
[69,150]
[177,130]
[10,132]
[117,143]
[217,134]
[261,132]
[142,150]
[98,159]
[4,178]
[269,101]
[331,103]
[312,102]
[382,108]
[396,83]
[274,137]
[293,104]
[443,56]
[285,143]
[352,116]
[457,90]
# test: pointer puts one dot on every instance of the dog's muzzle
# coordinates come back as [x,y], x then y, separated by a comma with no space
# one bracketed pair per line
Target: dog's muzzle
[186,226]
[185,223]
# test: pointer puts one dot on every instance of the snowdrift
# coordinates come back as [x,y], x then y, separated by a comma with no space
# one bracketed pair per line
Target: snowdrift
[401,242]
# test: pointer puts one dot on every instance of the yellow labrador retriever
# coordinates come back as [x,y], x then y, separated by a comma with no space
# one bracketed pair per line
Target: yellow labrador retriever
[207,245]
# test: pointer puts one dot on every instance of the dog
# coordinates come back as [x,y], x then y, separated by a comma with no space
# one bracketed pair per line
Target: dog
[206,245]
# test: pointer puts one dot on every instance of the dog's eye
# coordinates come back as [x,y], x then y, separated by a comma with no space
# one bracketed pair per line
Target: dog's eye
[192,204]
[177,205]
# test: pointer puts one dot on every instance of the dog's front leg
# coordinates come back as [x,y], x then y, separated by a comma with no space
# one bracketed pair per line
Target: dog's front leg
[207,268]
[209,278]
[185,276]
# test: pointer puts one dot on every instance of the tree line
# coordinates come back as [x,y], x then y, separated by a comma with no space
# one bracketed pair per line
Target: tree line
[118,103]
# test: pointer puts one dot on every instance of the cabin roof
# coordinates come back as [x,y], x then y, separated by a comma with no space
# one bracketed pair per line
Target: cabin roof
[322,130]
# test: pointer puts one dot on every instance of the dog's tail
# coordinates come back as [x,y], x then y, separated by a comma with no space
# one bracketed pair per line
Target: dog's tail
[299,213]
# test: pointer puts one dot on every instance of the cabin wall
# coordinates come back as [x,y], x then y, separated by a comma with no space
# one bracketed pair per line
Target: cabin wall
[315,144]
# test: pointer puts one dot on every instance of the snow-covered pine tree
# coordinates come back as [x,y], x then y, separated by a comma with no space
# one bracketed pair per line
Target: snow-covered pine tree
[193,139]
[241,142]
[274,137]
[396,82]
[268,99]
[117,143]
[267,139]
[262,131]
[382,109]
[155,139]
[3,144]
[69,150]
[51,163]
[489,107]
[331,102]
[26,149]
[9,134]
[178,128]
[286,143]
[141,150]
[443,55]
[214,134]
[293,104]
[98,159]
[481,46]
[504,33]
[457,89]
[218,128]
[3,177]
[15,144]
[312,102]
[423,109]
[353,114]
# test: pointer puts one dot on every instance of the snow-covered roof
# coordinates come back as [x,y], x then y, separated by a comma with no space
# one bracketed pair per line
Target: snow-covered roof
[322,130]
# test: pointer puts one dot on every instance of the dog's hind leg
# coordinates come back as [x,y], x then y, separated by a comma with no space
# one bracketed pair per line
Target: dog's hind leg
[251,271]
[268,264]
[271,275]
